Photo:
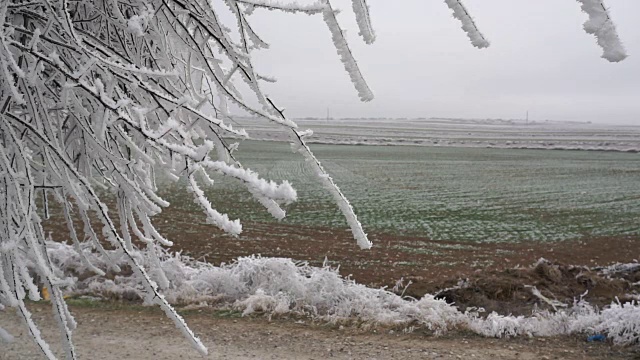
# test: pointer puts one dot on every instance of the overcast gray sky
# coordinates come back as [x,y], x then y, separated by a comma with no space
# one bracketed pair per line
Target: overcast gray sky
[423,65]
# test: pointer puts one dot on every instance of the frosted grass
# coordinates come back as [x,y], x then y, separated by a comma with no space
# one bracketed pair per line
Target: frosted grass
[456,194]
[280,286]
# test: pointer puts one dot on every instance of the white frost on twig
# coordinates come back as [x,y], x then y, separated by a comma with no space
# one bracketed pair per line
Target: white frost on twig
[555,304]
[342,47]
[291,7]
[468,25]
[602,27]
[343,203]
[361,9]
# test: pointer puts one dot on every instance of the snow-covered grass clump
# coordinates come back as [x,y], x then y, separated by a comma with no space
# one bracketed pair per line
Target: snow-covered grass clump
[269,285]
[276,286]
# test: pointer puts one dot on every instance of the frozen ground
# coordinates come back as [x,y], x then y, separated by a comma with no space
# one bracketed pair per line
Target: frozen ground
[326,315]
[443,193]
[493,133]
[474,195]
[110,332]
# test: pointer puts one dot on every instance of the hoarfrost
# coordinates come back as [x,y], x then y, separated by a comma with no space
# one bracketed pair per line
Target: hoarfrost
[350,65]
[361,9]
[95,94]
[468,25]
[137,23]
[292,7]
[276,286]
[602,27]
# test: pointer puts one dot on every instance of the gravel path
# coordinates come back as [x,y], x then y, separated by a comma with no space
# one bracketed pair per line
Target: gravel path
[111,332]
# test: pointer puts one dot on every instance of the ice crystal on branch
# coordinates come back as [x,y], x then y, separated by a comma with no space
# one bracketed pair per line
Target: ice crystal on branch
[103,94]
[468,25]
[602,27]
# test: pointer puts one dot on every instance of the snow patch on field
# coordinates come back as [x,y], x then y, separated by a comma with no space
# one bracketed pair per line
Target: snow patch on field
[280,286]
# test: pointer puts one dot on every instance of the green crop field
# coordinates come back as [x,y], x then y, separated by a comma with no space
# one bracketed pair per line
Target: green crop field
[468,194]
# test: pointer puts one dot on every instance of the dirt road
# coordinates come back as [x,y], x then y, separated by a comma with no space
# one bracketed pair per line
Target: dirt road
[124,332]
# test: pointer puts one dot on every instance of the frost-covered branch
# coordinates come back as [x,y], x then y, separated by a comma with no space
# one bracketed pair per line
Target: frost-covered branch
[299,145]
[100,98]
[100,94]
[343,203]
[350,65]
[468,25]
[292,7]
[361,9]
[602,27]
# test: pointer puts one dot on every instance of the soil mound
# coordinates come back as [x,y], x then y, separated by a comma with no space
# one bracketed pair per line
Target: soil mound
[544,285]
